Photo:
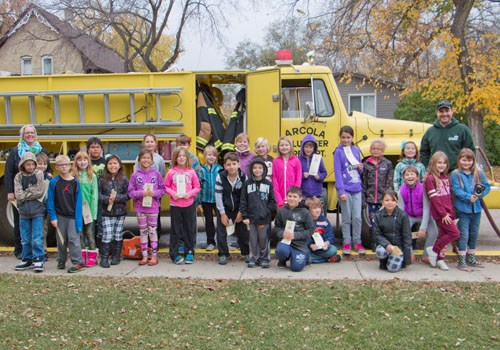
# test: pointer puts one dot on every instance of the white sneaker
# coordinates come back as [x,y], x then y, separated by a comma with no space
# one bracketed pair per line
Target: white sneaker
[442,265]
[432,256]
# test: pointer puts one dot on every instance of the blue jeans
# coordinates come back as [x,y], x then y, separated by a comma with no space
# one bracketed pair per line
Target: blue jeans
[298,259]
[321,256]
[32,238]
[468,225]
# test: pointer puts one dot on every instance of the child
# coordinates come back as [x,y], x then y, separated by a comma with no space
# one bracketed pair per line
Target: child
[409,156]
[94,149]
[294,225]
[64,204]
[228,187]
[377,179]
[312,185]
[113,197]
[182,185]
[287,170]
[413,200]
[437,186]
[469,184]
[242,149]
[328,252]
[262,150]
[42,162]
[29,190]
[393,234]
[83,171]
[146,189]
[348,169]
[257,207]
[209,172]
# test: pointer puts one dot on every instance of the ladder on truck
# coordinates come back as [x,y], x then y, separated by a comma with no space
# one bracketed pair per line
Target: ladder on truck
[150,94]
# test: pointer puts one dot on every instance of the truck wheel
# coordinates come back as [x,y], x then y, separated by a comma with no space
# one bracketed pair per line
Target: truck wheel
[6,219]
[366,238]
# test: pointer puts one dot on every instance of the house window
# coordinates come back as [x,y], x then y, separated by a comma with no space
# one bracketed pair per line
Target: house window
[363,103]
[47,65]
[26,66]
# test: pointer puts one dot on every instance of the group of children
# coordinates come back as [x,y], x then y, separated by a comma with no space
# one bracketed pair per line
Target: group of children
[87,203]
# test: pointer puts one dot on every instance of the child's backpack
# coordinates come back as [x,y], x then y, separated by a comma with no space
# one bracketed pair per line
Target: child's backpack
[131,248]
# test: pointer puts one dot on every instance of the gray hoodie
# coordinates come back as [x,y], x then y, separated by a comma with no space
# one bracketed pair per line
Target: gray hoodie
[29,189]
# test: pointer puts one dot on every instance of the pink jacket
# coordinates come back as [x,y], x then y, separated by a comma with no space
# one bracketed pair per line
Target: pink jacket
[285,175]
[192,186]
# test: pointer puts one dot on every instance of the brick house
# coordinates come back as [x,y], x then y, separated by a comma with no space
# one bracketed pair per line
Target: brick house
[41,43]
[369,95]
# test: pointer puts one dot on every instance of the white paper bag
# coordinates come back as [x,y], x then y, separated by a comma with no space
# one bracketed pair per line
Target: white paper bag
[112,194]
[230,228]
[87,214]
[147,201]
[315,162]
[180,182]
[350,156]
[290,227]
[318,240]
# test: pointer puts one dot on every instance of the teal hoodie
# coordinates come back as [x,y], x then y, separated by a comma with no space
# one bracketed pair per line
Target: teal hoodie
[450,139]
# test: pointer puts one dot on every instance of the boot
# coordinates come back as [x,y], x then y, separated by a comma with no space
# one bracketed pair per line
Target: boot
[91,258]
[471,260]
[462,265]
[117,253]
[84,256]
[382,264]
[105,254]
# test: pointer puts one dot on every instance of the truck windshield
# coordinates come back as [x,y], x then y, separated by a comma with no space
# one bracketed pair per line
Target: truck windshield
[297,99]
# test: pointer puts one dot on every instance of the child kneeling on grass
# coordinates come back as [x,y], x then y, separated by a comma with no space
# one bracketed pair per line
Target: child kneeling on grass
[294,225]
[320,244]
[393,234]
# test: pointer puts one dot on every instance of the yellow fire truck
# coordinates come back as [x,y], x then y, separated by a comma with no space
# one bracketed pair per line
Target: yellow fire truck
[121,108]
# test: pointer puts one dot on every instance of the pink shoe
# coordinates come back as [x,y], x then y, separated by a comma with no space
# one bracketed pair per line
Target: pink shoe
[360,249]
[91,258]
[425,260]
[346,249]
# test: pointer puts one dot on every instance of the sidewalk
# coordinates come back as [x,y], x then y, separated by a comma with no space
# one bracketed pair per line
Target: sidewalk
[236,269]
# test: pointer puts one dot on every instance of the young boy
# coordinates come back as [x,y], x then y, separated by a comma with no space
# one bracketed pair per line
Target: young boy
[42,162]
[257,207]
[29,190]
[228,187]
[64,203]
[94,149]
[312,185]
[323,228]
[294,225]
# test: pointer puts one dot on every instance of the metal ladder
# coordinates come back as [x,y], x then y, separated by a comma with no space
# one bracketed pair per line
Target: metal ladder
[157,93]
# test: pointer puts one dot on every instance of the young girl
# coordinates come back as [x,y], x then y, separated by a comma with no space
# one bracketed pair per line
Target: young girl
[182,185]
[83,171]
[414,202]
[209,173]
[409,156]
[242,143]
[113,197]
[437,186]
[392,229]
[287,170]
[348,169]
[469,185]
[262,150]
[146,189]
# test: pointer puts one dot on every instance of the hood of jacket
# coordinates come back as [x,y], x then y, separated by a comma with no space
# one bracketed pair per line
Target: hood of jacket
[453,122]
[257,160]
[27,156]
[308,138]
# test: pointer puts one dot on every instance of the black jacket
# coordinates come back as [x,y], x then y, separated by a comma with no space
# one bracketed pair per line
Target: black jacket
[227,198]
[120,204]
[394,229]
[257,201]
[304,225]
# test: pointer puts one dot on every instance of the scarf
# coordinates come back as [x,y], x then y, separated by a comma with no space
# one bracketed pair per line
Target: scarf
[22,147]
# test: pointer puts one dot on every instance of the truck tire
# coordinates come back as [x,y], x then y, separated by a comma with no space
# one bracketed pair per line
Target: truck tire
[6,219]
[366,238]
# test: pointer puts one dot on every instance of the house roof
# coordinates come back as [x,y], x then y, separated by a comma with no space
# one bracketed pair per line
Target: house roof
[369,79]
[95,54]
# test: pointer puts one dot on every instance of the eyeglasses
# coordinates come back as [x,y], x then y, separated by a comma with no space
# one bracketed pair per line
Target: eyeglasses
[63,165]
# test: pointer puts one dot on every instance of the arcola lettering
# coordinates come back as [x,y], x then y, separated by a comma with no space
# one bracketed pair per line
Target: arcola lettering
[321,143]
[305,131]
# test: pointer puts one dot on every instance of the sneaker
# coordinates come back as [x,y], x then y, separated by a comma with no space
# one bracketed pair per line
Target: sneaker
[472,261]
[210,247]
[360,249]
[233,246]
[432,256]
[335,258]
[346,249]
[189,259]
[222,260]
[178,260]
[265,265]
[281,264]
[442,265]
[247,259]
[76,268]
[38,266]
[251,264]
[61,265]
[181,249]
[25,265]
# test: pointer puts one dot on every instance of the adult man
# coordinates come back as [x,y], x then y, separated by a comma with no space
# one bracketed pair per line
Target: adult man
[447,135]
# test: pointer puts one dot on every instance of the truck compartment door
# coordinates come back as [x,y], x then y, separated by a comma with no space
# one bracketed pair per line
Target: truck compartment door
[264,106]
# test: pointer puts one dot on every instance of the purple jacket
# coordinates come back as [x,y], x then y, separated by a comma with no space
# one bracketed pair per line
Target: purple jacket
[347,177]
[311,186]
[246,158]
[413,199]
[136,189]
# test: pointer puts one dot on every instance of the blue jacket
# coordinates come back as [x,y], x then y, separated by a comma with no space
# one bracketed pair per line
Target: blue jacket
[324,223]
[78,203]
[310,186]
[462,186]
[207,182]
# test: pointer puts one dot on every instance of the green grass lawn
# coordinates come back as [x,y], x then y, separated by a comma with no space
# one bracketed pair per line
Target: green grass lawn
[80,312]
